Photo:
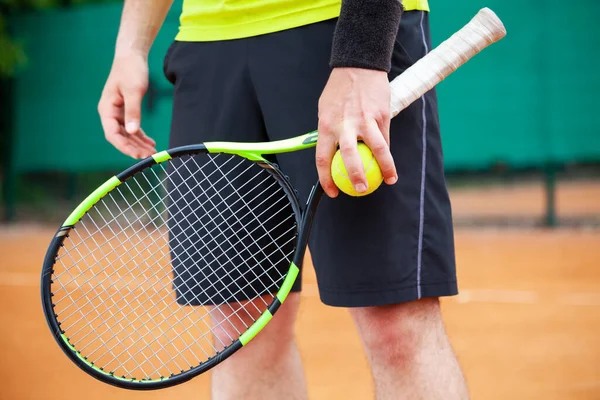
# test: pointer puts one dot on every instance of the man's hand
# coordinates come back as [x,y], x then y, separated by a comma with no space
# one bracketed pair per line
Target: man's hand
[121,101]
[120,106]
[355,105]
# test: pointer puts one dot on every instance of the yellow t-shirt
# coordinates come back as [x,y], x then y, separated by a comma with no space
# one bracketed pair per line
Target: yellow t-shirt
[208,20]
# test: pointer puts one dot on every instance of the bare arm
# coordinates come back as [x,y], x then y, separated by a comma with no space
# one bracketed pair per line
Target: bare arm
[121,100]
[140,22]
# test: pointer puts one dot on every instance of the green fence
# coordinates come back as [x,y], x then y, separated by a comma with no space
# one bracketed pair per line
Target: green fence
[528,101]
[531,98]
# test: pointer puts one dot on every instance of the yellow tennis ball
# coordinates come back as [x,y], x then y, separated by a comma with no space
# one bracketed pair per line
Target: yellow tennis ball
[371,168]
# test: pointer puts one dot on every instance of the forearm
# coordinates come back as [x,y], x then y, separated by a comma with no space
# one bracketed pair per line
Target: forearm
[140,22]
[365,34]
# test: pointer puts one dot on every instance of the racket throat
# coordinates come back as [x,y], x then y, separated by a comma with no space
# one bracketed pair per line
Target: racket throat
[307,220]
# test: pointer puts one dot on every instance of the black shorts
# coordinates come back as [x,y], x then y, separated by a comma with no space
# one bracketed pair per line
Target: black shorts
[392,246]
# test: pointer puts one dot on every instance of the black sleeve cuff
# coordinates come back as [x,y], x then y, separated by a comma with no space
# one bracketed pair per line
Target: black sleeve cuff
[365,34]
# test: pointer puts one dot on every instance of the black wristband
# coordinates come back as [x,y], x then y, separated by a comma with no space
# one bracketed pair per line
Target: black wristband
[365,34]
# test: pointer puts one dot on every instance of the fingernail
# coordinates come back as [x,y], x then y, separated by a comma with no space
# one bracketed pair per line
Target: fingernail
[392,180]
[360,188]
[131,127]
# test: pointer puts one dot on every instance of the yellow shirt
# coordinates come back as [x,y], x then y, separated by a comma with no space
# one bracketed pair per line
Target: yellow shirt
[208,20]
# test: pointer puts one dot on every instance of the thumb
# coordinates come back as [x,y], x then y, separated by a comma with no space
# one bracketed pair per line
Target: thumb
[132,98]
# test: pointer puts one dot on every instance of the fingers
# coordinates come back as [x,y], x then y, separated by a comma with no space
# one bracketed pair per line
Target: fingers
[326,148]
[136,146]
[132,96]
[123,144]
[113,129]
[147,139]
[349,133]
[383,122]
[378,143]
[145,145]
[352,159]
[110,109]
[131,145]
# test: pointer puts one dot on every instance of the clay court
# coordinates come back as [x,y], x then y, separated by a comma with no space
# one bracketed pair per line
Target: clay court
[525,325]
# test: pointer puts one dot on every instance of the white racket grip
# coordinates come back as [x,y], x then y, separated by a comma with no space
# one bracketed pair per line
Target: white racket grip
[484,29]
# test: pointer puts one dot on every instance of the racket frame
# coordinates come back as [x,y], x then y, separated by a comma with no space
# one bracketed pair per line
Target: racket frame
[250,151]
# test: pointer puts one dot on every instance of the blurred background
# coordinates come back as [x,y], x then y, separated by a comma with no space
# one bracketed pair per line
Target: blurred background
[521,134]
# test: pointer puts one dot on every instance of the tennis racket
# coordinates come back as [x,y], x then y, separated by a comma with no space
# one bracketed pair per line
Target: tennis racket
[174,264]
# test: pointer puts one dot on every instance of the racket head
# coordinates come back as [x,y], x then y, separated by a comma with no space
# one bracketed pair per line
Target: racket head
[111,290]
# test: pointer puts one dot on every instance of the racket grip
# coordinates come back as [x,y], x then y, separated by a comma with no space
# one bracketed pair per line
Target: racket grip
[484,29]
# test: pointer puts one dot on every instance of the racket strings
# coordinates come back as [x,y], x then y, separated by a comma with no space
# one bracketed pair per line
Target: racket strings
[152,254]
[195,243]
[250,210]
[138,201]
[114,281]
[244,227]
[163,299]
[66,318]
[106,223]
[233,313]
[124,253]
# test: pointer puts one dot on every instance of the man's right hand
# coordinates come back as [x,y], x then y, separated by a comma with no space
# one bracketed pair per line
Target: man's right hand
[120,106]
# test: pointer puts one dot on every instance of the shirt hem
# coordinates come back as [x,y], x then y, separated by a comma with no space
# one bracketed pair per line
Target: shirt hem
[259,27]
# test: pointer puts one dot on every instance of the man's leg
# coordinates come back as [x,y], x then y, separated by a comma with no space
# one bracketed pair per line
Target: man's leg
[409,352]
[405,340]
[214,99]
[269,367]
[391,247]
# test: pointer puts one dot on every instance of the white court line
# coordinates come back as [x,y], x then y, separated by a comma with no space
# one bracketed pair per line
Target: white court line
[497,296]
[19,279]
[465,295]
[492,296]
[14,231]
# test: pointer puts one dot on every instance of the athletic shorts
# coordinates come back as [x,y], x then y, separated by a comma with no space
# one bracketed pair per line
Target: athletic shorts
[392,246]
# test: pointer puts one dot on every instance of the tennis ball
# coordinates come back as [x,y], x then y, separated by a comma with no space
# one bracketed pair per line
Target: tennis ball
[371,168]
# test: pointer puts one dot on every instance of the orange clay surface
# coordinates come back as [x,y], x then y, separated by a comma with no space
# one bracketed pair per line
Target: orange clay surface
[525,326]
